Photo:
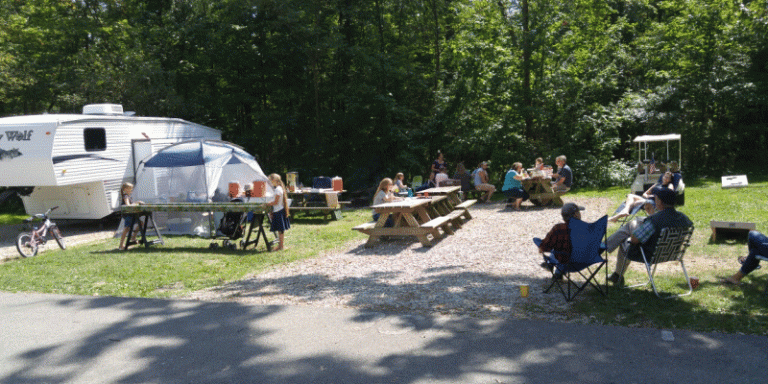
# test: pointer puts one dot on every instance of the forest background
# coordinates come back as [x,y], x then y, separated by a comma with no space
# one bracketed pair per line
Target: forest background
[365,89]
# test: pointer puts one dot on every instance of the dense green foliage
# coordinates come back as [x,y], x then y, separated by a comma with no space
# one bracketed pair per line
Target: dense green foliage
[365,89]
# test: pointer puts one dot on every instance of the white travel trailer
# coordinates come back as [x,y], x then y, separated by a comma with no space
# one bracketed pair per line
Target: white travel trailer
[78,162]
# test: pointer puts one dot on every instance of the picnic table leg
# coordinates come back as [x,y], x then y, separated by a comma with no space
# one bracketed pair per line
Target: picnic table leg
[423,239]
[379,224]
[160,239]
[397,219]
[143,227]
[444,207]
[433,212]
[423,215]
[454,199]
[261,232]
[130,230]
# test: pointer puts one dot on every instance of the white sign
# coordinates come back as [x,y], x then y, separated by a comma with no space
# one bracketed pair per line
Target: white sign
[736,181]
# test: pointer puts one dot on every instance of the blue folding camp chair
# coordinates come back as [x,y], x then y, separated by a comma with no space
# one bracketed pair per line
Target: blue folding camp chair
[587,245]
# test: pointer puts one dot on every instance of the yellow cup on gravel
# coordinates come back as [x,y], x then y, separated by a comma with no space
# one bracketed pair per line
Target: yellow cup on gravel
[524,290]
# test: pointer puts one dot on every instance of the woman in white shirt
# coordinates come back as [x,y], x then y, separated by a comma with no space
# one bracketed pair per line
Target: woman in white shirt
[384,195]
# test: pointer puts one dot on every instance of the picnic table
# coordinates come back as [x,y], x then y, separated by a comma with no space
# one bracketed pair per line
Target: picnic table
[145,211]
[324,200]
[451,192]
[541,192]
[417,216]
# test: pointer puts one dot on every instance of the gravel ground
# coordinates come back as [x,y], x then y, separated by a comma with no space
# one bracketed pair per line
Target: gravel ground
[475,272]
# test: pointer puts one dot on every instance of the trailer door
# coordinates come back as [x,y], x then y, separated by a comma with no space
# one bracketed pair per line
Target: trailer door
[141,150]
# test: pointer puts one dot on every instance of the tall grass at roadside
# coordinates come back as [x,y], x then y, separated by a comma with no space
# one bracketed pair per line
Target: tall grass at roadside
[183,264]
[713,306]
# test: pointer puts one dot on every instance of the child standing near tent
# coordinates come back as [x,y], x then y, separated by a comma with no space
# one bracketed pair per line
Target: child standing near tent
[280,211]
[128,221]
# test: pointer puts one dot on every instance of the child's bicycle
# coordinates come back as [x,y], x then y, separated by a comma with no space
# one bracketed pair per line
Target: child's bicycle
[28,242]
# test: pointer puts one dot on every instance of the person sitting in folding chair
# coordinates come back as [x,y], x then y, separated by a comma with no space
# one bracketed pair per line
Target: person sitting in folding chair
[576,265]
[646,234]
[625,231]
[558,240]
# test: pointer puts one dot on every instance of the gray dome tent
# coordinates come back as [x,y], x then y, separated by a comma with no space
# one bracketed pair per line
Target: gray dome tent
[195,171]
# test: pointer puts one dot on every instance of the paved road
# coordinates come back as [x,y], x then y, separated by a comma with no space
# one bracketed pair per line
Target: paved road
[71,339]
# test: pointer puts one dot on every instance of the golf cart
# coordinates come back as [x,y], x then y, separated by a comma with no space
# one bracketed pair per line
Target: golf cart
[650,169]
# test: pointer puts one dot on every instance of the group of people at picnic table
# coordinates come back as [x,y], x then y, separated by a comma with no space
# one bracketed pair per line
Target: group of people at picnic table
[479,179]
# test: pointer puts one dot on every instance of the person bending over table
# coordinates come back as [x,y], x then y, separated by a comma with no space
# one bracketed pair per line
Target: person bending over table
[564,175]
[646,233]
[481,182]
[635,200]
[384,195]
[513,188]
[558,240]
[757,245]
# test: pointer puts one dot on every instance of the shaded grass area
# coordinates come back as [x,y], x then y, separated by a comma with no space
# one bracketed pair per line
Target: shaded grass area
[713,306]
[183,264]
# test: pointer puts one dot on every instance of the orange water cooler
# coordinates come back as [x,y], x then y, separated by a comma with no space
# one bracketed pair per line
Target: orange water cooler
[259,188]
[337,183]
[234,189]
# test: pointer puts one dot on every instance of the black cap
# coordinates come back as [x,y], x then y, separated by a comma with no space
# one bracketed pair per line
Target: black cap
[666,195]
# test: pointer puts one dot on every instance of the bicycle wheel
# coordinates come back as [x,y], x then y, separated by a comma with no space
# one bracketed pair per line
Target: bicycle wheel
[59,239]
[25,245]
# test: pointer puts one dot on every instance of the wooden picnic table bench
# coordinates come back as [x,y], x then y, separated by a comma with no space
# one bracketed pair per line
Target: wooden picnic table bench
[419,217]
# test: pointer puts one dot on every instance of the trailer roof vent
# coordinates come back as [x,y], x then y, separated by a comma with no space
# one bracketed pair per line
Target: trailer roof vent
[103,109]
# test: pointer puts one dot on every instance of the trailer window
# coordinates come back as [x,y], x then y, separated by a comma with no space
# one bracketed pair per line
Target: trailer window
[95,139]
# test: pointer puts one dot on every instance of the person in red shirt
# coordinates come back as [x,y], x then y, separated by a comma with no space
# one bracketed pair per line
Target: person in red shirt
[558,240]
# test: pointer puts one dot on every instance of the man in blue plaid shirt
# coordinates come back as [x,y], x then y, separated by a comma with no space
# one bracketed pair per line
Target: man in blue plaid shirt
[648,232]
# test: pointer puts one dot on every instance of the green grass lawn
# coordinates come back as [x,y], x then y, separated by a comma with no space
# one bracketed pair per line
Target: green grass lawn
[186,264]
[182,265]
